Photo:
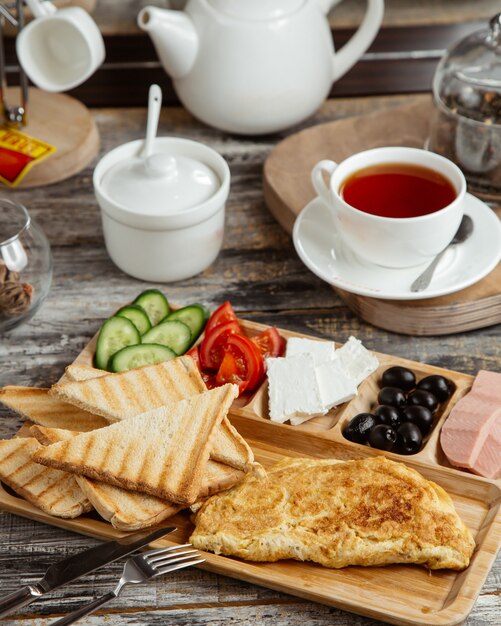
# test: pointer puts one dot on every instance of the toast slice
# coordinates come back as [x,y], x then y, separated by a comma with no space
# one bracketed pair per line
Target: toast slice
[230,448]
[77,371]
[163,452]
[119,396]
[130,510]
[51,490]
[150,387]
[40,407]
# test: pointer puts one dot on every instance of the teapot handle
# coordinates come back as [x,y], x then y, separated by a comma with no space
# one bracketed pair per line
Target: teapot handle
[350,53]
[326,5]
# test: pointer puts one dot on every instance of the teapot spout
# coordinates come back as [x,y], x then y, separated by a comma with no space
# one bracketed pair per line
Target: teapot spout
[174,37]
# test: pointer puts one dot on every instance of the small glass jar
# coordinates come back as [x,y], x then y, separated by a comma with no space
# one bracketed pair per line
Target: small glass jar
[25,265]
[466,126]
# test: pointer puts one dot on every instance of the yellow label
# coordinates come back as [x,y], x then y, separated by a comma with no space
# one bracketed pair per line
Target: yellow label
[18,154]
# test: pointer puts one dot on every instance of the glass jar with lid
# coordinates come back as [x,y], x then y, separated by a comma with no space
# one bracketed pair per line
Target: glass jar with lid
[466,126]
[25,265]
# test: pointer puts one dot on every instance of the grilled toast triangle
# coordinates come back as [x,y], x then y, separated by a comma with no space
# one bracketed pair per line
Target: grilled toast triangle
[163,452]
[51,490]
[77,372]
[131,510]
[40,407]
[118,396]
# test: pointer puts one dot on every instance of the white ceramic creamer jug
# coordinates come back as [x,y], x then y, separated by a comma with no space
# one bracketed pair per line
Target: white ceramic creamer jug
[254,66]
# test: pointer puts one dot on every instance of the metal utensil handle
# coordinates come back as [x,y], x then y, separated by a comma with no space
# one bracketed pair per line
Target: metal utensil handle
[424,279]
[84,610]
[18,599]
[13,114]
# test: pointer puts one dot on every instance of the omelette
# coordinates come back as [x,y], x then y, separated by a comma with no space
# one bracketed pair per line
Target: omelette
[365,512]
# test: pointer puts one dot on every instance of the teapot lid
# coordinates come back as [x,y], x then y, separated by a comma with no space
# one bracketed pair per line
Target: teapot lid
[256,10]
[160,184]
[468,78]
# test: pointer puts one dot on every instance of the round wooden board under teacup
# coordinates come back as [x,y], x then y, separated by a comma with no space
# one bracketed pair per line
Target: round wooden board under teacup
[287,190]
[63,122]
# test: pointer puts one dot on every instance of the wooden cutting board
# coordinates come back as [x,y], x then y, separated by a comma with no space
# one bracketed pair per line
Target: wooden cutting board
[63,122]
[287,190]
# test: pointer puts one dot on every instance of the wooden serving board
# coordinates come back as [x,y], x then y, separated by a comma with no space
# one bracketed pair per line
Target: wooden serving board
[287,190]
[63,122]
[398,594]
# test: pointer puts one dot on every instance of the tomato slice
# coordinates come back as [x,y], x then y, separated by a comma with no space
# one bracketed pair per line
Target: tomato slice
[222,315]
[269,343]
[212,347]
[209,379]
[232,370]
[248,361]
[193,352]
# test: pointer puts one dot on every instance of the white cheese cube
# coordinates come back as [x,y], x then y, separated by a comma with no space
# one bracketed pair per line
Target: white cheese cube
[335,386]
[355,360]
[320,350]
[293,388]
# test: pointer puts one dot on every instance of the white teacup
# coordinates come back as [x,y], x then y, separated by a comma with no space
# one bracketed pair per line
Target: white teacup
[59,50]
[389,241]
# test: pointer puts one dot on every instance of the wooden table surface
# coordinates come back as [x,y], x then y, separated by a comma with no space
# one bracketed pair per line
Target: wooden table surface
[259,271]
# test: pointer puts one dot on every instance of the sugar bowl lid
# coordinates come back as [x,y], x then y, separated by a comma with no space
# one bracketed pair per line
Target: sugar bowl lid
[160,184]
[183,183]
[468,78]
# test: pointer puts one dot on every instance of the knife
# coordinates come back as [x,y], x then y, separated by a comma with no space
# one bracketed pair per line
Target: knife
[79,564]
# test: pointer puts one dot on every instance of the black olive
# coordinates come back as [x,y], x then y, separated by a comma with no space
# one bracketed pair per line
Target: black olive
[423,398]
[418,415]
[397,376]
[382,437]
[409,439]
[387,414]
[392,396]
[359,427]
[439,386]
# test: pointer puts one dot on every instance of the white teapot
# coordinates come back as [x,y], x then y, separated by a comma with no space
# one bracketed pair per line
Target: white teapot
[254,66]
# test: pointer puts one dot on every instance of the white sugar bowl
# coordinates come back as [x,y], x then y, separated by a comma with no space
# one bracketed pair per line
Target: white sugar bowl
[163,215]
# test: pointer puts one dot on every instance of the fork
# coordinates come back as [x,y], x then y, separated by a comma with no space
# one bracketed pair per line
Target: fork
[138,569]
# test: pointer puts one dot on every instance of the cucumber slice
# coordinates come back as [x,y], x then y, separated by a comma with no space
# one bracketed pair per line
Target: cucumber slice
[137,315]
[116,333]
[142,354]
[204,309]
[154,303]
[174,334]
[193,316]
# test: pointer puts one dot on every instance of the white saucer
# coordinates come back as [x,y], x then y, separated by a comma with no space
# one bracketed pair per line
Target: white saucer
[323,252]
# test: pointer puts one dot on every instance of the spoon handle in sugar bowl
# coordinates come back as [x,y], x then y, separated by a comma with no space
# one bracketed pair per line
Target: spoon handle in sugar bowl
[154,107]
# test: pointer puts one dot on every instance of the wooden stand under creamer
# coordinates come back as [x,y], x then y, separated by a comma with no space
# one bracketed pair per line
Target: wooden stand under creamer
[287,190]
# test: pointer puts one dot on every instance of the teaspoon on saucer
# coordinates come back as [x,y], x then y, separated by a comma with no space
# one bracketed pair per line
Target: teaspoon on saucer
[463,232]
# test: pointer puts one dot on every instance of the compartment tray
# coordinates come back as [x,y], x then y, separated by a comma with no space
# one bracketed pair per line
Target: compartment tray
[398,594]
